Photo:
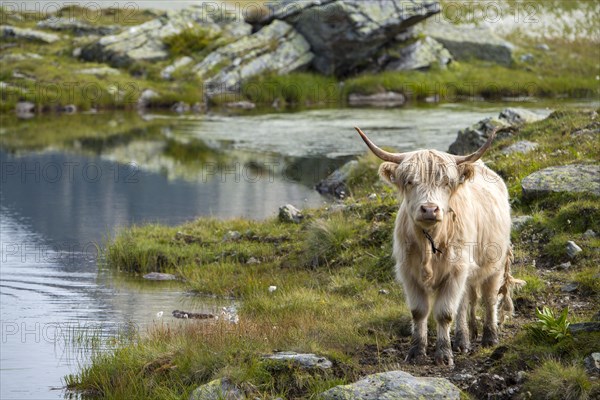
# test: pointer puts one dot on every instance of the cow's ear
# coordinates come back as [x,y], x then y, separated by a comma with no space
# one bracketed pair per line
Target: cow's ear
[467,172]
[387,171]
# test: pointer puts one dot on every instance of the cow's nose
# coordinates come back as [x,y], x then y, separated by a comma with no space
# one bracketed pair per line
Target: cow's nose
[429,210]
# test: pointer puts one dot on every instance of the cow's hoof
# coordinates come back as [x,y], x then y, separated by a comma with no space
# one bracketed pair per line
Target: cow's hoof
[461,344]
[444,357]
[416,355]
[489,339]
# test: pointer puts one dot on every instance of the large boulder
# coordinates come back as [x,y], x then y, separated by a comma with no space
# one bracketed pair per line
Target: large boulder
[468,41]
[470,139]
[277,48]
[345,34]
[146,41]
[421,54]
[575,178]
[394,385]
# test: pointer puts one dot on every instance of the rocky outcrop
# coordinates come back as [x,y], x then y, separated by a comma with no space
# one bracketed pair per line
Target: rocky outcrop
[77,27]
[345,35]
[421,54]
[473,137]
[468,41]
[394,385]
[277,48]
[28,34]
[306,361]
[146,41]
[575,178]
[219,389]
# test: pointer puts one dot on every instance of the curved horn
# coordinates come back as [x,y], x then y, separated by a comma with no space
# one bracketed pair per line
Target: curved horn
[384,155]
[471,158]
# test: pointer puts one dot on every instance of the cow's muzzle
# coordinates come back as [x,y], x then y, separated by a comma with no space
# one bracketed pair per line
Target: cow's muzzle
[429,213]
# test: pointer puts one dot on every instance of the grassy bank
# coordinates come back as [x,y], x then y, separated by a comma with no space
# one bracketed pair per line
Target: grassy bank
[336,296]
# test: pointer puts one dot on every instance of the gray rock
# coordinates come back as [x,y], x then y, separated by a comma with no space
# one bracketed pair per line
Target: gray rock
[252,260]
[584,327]
[473,137]
[574,178]
[289,213]
[25,109]
[335,183]
[384,100]
[394,385]
[573,249]
[527,58]
[76,26]
[419,55]
[99,71]
[542,46]
[232,236]
[69,109]
[19,56]
[277,48]
[242,105]
[146,97]
[519,221]
[146,41]
[468,41]
[308,361]
[28,34]
[592,364]
[522,147]
[346,34]
[219,389]
[589,234]
[180,107]
[564,266]
[569,287]
[179,63]
[160,276]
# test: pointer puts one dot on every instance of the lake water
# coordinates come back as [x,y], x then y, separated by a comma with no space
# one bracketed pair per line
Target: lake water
[61,195]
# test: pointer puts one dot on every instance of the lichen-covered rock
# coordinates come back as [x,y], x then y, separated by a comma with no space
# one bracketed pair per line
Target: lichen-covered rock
[289,213]
[394,385]
[346,34]
[277,48]
[422,54]
[179,63]
[522,147]
[146,41]
[384,100]
[468,41]
[575,178]
[76,26]
[308,361]
[219,389]
[470,139]
[28,34]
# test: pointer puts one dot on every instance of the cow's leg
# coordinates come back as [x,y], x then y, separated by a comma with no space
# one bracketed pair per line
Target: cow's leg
[446,304]
[418,301]
[489,290]
[462,340]
[473,298]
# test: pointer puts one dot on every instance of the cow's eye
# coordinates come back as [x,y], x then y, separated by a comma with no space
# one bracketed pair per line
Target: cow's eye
[408,183]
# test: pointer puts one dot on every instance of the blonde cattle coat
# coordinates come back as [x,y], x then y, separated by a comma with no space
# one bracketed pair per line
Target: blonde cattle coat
[469,251]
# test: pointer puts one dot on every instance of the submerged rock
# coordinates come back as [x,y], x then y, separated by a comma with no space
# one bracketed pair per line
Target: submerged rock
[469,41]
[277,48]
[395,385]
[574,178]
[346,34]
[219,389]
[159,276]
[307,361]
[385,100]
[28,34]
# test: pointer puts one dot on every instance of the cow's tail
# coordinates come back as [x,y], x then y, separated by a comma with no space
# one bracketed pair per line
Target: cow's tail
[505,306]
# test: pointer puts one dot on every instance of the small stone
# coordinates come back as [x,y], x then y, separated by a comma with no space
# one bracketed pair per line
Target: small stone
[289,213]
[542,46]
[592,364]
[252,260]
[146,97]
[308,360]
[384,291]
[462,377]
[232,236]
[564,266]
[220,389]
[70,109]
[589,234]
[527,57]
[242,105]
[521,375]
[272,289]
[180,107]
[573,249]
[373,196]
[519,221]
[569,287]
[159,276]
